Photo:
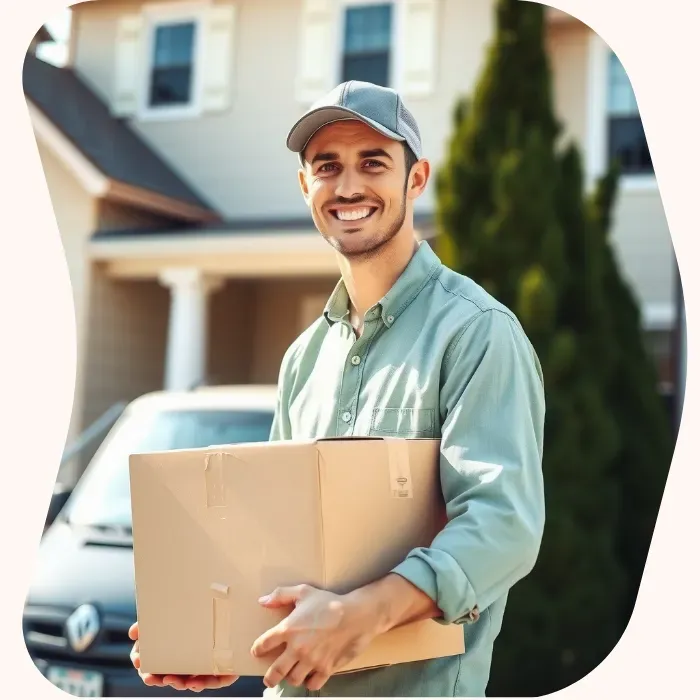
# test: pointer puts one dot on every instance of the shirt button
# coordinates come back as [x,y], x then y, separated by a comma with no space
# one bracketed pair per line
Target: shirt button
[390,319]
[347,416]
[356,360]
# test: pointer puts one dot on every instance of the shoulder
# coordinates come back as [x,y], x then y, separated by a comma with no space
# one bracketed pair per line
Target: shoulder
[485,325]
[468,296]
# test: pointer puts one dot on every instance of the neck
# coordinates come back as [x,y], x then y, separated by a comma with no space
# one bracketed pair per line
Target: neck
[369,279]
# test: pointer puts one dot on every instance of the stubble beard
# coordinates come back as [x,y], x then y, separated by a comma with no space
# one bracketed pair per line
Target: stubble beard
[372,247]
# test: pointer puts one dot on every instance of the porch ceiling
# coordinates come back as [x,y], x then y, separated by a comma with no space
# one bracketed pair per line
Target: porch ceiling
[289,254]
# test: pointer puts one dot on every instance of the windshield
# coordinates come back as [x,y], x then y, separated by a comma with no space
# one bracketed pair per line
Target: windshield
[102,497]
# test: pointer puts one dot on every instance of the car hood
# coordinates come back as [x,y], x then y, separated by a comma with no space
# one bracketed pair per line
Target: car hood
[79,565]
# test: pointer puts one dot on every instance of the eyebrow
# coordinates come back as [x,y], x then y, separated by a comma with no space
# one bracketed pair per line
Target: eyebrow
[372,153]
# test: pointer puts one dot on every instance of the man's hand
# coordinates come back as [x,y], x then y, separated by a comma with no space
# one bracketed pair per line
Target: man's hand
[321,634]
[194,683]
[325,631]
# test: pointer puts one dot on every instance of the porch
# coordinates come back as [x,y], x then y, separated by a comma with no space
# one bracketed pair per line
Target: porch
[177,312]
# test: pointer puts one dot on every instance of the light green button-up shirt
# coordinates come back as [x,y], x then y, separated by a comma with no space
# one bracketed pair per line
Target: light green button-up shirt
[438,358]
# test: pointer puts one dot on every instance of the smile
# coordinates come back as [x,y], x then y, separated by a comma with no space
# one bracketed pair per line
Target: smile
[356,214]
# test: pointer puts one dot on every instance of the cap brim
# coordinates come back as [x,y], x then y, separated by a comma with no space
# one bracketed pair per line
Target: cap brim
[302,132]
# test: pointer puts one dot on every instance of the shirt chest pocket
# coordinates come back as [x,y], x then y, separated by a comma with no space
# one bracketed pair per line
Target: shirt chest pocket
[403,422]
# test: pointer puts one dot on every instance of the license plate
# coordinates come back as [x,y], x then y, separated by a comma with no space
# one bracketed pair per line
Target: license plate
[82,684]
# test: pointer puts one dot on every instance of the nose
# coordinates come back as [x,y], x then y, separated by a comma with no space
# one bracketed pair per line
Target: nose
[348,185]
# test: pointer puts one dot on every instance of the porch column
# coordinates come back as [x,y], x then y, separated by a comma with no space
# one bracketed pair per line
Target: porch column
[186,350]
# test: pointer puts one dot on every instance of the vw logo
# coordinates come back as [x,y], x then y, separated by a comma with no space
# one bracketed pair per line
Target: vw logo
[82,627]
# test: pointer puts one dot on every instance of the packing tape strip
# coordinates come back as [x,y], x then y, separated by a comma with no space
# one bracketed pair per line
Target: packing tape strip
[214,478]
[399,468]
[222,655]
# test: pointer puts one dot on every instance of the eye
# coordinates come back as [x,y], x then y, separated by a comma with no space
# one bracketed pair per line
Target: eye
[327,168]
[374,163]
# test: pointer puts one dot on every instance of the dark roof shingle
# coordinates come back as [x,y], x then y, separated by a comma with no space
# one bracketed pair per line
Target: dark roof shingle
[107,142]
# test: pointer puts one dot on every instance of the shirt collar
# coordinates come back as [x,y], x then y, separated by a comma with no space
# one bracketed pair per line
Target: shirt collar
[420,269]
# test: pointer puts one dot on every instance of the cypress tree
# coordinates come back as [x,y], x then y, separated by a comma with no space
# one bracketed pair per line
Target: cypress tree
[647,439]
[511,216]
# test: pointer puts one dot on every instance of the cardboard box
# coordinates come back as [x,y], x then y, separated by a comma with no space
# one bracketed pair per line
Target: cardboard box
[216,528]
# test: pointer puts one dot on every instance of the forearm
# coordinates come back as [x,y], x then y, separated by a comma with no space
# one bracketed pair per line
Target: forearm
[392,601]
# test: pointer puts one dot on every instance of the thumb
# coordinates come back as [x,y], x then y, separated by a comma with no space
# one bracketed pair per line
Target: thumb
[282,597]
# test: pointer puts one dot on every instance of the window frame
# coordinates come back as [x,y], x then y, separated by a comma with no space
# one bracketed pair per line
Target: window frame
[394,53]
[163,14]
[614,116]
[598,121]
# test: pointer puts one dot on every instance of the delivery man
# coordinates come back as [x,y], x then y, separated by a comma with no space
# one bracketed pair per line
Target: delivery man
[408,348]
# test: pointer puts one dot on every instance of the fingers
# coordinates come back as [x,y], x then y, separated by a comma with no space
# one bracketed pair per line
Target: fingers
[317,681]
[134,632]
[225,681]
[284,596]
[135,656]
[152,679]
[200,683]
[194,683]
[279,669]
[269,641]
[299,673]
[177,682]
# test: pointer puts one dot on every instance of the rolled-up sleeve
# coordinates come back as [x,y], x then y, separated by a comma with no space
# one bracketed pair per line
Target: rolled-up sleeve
[492,408]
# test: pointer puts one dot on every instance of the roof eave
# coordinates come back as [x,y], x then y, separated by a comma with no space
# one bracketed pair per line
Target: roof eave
[100,186]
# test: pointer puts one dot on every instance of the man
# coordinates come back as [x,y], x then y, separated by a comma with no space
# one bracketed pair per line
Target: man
[408,348]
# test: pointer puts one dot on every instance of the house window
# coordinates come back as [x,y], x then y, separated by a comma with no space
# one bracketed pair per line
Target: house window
[626,139]
[367,43]
[172,66]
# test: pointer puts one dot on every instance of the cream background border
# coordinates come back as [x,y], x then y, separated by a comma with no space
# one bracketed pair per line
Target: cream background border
[657,43]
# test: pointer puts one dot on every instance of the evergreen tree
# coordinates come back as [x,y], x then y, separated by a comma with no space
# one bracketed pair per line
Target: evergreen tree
[647,440]
[511,217]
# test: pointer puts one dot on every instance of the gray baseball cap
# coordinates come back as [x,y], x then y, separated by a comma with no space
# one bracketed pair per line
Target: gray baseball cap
[378,107]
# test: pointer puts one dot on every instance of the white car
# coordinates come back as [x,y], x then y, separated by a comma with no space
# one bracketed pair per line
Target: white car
[81,601]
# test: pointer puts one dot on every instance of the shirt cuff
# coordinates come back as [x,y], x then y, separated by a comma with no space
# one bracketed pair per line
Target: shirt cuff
[422,576]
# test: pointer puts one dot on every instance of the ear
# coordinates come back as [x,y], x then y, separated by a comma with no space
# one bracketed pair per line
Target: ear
[304,185]
[418,179]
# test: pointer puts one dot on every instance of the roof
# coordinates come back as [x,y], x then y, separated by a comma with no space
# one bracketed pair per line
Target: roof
[232,227]
[107,142]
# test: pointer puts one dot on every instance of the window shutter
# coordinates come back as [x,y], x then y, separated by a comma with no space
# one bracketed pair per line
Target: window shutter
[129,65]
[316,54]
[217,52]
[418,47]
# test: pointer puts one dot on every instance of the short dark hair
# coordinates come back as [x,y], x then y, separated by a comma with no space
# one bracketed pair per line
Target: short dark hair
[409,158]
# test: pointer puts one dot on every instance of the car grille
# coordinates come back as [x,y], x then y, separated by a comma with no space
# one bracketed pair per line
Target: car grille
[44,635]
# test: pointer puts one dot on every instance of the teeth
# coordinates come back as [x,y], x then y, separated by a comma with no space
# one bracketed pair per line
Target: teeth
[354,214]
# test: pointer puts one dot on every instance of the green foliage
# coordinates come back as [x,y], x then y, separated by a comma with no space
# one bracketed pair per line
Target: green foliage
[647,441]
[512,215]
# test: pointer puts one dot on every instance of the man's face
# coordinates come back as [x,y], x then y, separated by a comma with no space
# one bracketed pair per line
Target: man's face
[354,181]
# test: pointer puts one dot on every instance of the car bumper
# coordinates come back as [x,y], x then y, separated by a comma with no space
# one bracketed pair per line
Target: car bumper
[126,683]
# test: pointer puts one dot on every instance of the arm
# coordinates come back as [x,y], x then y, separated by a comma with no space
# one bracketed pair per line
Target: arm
[492,401]
[392,601]
[490,466]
